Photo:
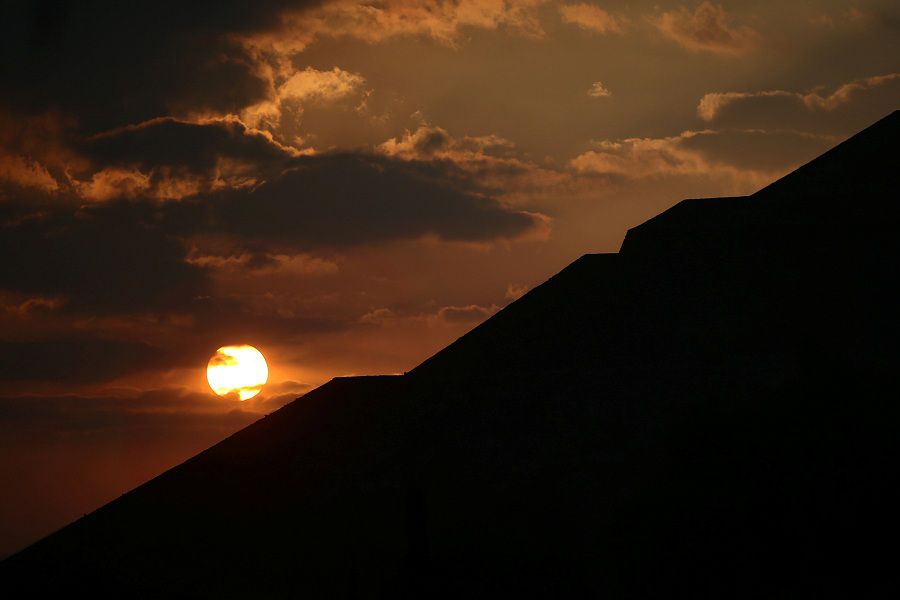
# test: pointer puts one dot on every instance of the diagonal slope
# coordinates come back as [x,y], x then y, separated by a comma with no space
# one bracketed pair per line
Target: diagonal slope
[860,172]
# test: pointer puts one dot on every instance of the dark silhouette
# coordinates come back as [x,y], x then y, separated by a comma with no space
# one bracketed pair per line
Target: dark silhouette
[712,412]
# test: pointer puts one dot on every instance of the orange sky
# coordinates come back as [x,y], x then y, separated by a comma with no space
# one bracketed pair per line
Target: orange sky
[349,186]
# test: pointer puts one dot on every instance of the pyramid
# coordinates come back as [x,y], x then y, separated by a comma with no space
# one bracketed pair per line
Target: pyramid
[711,412]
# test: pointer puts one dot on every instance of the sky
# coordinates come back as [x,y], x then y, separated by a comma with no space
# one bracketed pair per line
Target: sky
[349,186]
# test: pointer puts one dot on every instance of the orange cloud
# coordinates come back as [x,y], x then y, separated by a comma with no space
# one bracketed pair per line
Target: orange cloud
[592,18]
[706,29]
[712,104]
[171,159]
[598,90]
[162,183]
[301,88]
[467,314]
[514,291]
[33,152]
[112,182]
[491,158]
[26,306]
[26,173]
[747,159]
[636,158]
[435,142]
[440,20]
[292,264]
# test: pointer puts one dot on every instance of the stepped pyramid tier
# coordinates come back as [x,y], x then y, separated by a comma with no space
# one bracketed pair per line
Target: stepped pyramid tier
[710,412]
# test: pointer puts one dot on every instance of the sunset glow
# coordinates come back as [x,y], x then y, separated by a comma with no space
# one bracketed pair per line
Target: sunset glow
[350,186]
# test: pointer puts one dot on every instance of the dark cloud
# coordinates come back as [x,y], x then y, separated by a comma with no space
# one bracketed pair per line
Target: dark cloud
[758,150]
[73,412]
[340,200]
[213,317]
[111,258]
[111,63]
[76,360]
[845,108]
[77,357]
[130,255]
[183,146]
[169,159]
[432,140]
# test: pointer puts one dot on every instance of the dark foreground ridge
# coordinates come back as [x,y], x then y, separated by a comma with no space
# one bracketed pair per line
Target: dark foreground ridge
[711,412]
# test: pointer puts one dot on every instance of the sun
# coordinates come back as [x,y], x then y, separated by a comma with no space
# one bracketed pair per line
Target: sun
[240,370]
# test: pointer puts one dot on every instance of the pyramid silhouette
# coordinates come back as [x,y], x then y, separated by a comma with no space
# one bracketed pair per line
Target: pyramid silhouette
[710,412]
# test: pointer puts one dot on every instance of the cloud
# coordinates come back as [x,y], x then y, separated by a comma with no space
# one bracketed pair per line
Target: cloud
[91,60]
[110,260]
[314,85]
[843,18]
[282,199]
[77,360]
[475,153]
[747,158]
[598,90]
[158,207]
[72,412]
[26,173]
[469,313]
[211,59]
[490,159]
[46,347]
[706,29]
[780,106]
[26,306]
[263,263]
[767,153]
[33,151]
[295,388]
[193,146]
[340,200]
[440,20]
[446,315]
[165,158]
[301,88]
[168,158]
[591,17]
[424,142]
[514,291]
[293,92]
[378,316]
